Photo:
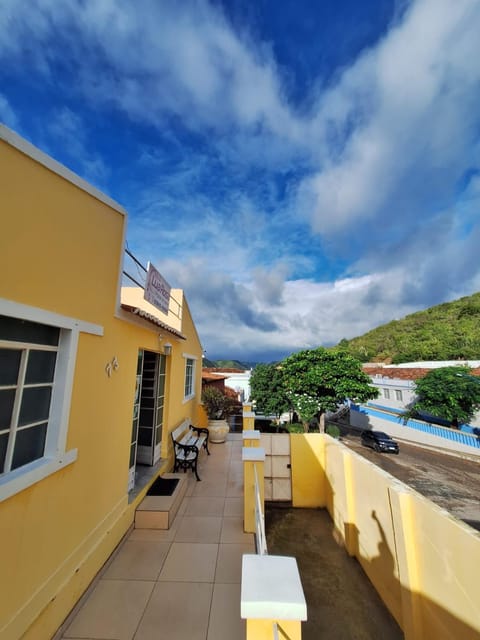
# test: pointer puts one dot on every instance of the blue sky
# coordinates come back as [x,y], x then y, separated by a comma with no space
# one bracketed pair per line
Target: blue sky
[306,171]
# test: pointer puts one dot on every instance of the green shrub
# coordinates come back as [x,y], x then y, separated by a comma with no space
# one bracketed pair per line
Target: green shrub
[333,431]
[295,427]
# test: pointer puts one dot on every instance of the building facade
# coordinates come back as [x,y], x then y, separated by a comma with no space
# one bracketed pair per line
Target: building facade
[92,381]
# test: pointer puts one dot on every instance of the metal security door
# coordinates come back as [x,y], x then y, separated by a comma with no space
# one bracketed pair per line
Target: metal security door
[135,421]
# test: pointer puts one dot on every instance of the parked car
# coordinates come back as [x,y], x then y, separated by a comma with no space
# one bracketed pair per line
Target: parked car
[379,441]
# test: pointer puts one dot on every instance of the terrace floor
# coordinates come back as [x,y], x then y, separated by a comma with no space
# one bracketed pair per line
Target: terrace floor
[185,582]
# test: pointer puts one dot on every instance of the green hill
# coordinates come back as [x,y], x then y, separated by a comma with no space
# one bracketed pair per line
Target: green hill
[228,364]
[448,331]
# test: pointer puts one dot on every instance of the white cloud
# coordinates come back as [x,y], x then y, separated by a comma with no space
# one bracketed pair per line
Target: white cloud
[68,129]
[385,149]
[7,114]
[408,107]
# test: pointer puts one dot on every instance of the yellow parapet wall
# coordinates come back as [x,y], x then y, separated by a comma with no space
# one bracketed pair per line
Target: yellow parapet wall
[422,561]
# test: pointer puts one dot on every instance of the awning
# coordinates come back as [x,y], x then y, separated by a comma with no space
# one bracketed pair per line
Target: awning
[151,318]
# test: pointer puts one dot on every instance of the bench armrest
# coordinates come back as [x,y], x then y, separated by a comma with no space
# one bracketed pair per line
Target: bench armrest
[187,447]
[199,430]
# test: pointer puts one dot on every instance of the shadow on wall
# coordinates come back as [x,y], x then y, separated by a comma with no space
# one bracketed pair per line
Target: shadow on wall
[436,621]
[417,557]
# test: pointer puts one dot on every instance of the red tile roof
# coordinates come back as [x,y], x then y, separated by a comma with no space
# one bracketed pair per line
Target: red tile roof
[403,374]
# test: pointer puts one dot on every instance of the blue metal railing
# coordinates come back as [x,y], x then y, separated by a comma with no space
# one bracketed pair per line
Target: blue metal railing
[443,432]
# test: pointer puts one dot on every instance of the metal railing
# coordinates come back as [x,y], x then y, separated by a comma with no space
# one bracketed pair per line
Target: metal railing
[261,539]
[277,629]
[136,272]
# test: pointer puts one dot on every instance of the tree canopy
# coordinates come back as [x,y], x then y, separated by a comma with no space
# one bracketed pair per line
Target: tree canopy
[267,388]
[319,380]
[451,393]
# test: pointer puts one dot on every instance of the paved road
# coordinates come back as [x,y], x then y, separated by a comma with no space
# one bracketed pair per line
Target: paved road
[450,481]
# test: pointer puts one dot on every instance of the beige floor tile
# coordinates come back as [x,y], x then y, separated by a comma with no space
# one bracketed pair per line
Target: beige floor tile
[229,562]
[236,467]
[138,560]
[113,610]
[233,507]
[157,535]
[234,487]
[212,487]
[177,611]
[191,484]
[232,531]
[199,529]
[198,506]
[225,621]
[190,562]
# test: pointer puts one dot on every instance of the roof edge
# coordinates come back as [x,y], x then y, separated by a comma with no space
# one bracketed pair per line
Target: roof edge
[136,311]
[27,148]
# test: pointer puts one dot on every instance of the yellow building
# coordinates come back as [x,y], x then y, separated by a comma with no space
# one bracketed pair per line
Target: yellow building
[92,380]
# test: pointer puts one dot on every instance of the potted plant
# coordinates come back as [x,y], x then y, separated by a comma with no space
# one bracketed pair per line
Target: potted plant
[217,406]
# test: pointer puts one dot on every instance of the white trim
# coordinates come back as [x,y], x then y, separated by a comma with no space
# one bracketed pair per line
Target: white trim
[25,147]
[23,477]
[189,356]
[55,457]
[35,314]
[190,396]
[62,393]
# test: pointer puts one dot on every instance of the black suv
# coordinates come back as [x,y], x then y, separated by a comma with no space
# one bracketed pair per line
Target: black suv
[379,441]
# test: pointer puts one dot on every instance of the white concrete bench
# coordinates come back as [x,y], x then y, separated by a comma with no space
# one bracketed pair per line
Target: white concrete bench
[187,443]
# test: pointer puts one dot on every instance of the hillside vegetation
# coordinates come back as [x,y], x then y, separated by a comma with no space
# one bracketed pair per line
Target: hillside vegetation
[228,364]
[448,331]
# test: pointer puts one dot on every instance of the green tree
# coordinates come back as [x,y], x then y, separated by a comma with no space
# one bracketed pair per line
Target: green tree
[268,390]
[318,380]
[451,393]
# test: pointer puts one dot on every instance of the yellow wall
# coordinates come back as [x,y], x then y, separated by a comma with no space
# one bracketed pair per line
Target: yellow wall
[65,257]
[421,560]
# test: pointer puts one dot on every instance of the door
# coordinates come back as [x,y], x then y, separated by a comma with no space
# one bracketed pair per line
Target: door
[278,477]
[135,422]
[152,396]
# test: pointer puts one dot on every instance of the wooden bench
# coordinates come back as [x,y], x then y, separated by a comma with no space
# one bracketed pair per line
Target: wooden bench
[187,443]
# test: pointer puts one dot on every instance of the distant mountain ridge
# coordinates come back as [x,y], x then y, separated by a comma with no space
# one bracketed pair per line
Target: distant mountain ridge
[228,364]
[448,331]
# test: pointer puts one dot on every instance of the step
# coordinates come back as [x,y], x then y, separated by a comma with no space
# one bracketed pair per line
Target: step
[158,512]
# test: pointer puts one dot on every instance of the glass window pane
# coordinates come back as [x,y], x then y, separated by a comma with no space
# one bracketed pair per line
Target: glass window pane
[29,445]
[9,366]
[133,449]
[25,331]
[40,366]
[7,398]
[3,450]
[35,405]
[162,364]
[145,437]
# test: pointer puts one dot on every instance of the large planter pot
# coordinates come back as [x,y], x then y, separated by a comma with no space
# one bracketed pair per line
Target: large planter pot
[218,430]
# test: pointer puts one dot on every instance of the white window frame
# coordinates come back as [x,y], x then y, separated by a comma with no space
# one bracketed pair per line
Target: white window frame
[56,457]
[398,395]
[386,393]
[188,396]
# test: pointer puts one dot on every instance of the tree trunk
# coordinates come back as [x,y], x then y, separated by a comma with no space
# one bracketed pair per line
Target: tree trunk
[321,425]
[306,426]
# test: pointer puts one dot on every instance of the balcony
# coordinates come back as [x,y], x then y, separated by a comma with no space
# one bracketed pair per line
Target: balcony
[186,582]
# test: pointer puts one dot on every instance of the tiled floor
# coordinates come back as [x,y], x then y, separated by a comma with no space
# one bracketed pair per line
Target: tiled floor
[184,582]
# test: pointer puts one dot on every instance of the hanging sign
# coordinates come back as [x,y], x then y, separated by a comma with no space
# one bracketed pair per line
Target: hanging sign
[157,289]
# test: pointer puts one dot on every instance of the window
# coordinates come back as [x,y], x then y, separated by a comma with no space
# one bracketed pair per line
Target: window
[37,361]
[386,393]
[398,395]
[189,377]
[28,355]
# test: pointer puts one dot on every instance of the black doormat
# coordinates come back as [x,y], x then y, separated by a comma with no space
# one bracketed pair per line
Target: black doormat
[163,487]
